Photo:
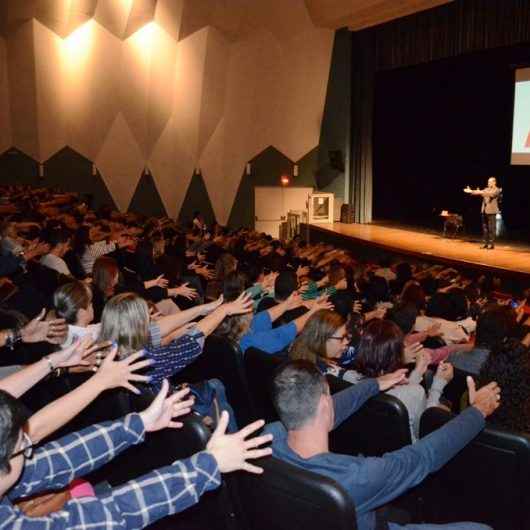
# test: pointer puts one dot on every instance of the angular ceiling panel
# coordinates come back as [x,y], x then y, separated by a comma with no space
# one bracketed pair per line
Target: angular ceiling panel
[161,84]
[120,163]
[168,15]
[64,16]
[92,77]
[191,60]
[214,85]
[50,91]
[306,61]
[113,15]
[172,168]
[359,14]
[142,12]
[6,139]
[23,89]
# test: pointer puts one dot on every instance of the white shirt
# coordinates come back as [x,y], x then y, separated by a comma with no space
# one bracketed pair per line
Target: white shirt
[56,263]
[93,252]
[78,332]
[451,332]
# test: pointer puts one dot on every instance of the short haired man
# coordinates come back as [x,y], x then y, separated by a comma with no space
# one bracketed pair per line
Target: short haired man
[308,413]
[489,210]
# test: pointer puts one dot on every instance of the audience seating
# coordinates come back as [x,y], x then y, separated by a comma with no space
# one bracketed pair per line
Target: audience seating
[380,426]
[488,482]
[286,497]
[259,370]
[222,359]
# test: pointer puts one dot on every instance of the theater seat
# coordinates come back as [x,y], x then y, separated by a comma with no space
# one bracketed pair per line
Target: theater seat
[380,426]
[259,370]
[222,359]
[286,497]
[487,482]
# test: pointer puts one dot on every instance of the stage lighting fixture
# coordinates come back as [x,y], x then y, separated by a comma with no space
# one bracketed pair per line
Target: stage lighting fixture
[284,180]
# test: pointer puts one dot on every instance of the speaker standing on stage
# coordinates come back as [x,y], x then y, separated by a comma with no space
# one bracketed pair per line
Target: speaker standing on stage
[489,210]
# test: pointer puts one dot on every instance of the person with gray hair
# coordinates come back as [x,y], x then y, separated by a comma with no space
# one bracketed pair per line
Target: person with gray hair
[308,413]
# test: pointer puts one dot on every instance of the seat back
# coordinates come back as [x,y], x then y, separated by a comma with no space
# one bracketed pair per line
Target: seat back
[259,369]
[487,482]
[287,497]
[222,359]
[380,426]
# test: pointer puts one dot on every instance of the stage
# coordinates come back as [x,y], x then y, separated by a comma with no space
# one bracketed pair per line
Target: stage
[505,259]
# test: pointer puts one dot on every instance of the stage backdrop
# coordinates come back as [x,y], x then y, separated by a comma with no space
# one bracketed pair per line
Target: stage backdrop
[441,126]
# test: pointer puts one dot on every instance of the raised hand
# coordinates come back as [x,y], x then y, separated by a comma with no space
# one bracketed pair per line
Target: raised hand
[76,354]
[411,351]
[434,329]
[242,304]
[113,374]
[231,451]
[389,380]
[163,409]
[38,330]
[487,399]
[294,301]
[422,362]
[445,371]
[206,309]
[187,292]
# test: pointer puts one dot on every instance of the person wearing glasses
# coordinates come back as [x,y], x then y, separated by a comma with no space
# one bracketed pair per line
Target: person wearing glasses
[25,471]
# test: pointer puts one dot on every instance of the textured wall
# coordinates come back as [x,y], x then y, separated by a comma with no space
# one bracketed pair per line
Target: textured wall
[168,85]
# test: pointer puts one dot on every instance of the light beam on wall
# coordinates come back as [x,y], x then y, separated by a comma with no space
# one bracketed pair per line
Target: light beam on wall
[77,45]
[142,41]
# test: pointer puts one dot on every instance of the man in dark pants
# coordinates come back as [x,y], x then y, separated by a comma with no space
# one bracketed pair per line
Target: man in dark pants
[489,210]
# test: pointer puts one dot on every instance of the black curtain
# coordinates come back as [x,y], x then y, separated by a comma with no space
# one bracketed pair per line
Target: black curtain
[416,76]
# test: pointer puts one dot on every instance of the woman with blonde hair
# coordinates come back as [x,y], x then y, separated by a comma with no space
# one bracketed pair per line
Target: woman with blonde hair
[171,342]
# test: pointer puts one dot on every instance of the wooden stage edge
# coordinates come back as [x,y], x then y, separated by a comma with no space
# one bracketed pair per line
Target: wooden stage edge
[505,259]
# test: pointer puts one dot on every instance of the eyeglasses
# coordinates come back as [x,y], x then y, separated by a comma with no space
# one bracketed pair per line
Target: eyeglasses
[340,337]
[27,447]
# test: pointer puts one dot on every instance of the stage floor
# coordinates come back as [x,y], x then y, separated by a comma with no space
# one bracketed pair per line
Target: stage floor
[511,258]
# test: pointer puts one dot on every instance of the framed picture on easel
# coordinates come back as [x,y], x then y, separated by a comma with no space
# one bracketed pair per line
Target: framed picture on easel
[321,208]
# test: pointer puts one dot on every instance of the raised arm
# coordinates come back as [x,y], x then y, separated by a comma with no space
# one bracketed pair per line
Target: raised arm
[111,374]
[350,400]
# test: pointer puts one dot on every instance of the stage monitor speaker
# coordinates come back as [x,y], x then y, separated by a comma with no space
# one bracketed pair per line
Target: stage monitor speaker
[336,160]
[347,214]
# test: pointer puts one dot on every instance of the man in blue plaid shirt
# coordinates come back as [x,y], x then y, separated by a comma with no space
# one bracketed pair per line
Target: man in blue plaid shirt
[136,503]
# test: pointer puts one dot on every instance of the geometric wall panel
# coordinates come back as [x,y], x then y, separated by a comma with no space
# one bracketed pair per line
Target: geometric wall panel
[120,163]
[5,118]
[64,16]
[146,199]
[172,85]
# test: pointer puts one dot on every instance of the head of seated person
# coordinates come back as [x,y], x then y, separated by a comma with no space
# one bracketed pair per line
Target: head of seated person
[105,276]
[233,327]
[494,325]
[323,340]
[225,265]
[14,444]
[404,315]
[508,364]
[285,285]
[337,276]
[380,349]
[73,302]
[376,291]
[125,321]
[302,399]
[440,306]
[59,241]
[413,295]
